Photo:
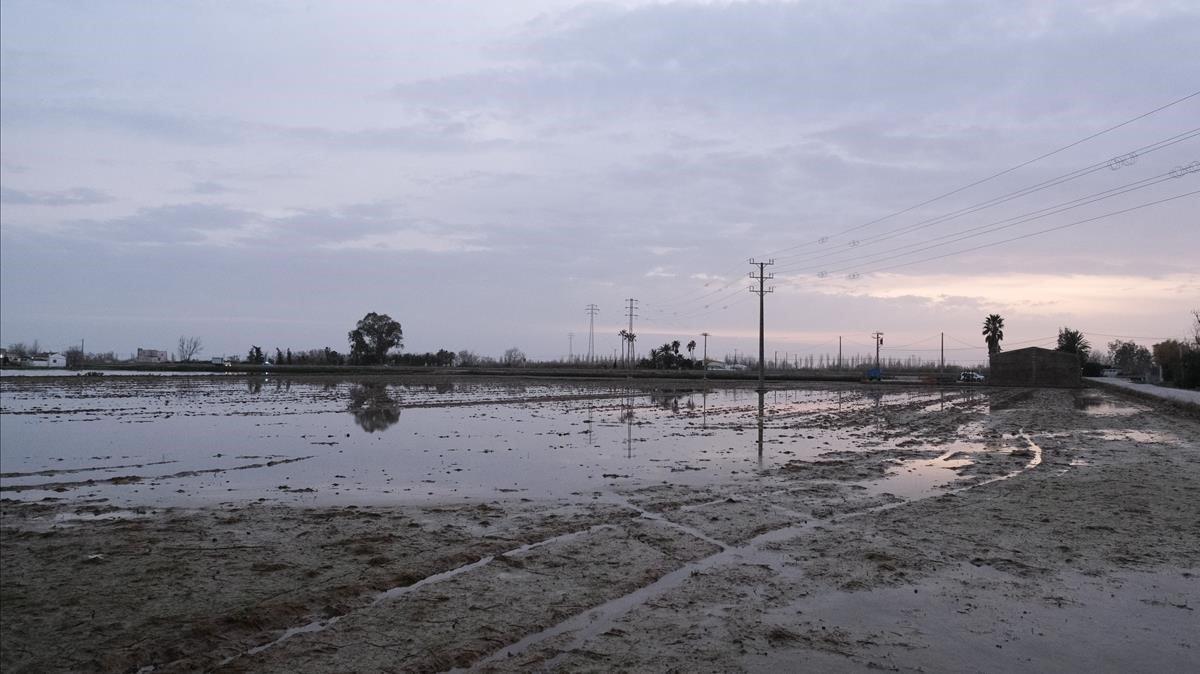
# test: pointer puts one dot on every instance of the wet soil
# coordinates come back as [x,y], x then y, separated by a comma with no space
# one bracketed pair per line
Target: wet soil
[1064,540]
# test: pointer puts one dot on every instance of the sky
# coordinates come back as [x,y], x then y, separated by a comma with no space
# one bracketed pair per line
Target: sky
[268,172]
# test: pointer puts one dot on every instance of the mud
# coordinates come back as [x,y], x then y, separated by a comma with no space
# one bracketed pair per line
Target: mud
[977,531]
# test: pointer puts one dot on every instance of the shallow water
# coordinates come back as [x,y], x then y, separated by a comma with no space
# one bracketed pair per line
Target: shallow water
[177,441]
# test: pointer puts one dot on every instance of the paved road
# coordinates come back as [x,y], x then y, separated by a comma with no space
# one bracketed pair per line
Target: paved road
[1180,395]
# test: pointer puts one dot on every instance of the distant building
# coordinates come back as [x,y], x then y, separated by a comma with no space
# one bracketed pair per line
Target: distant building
[152,356]
[1035,366]
[48,360]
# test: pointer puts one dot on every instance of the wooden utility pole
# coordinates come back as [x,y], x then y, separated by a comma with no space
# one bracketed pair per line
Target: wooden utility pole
[705,363]
[762,277]
[878,341]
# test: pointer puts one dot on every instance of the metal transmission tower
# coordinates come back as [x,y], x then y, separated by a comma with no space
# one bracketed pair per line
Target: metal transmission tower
[632,310]
[592,310]
[762,277]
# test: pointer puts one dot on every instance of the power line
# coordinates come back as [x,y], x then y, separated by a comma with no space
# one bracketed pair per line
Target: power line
[1037,233]
[825,239]
[975,208]
[998,225]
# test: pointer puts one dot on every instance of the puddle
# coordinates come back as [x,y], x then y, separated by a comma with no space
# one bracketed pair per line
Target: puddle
[1130,435]
[1095,405]
[318,441]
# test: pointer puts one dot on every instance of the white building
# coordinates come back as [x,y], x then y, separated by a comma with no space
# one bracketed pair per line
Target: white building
[48,360]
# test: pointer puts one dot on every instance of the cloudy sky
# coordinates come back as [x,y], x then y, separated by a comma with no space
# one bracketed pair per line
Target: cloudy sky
[267,172]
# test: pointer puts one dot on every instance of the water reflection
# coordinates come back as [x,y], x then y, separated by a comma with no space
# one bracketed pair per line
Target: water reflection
[627,415]
[761,393]
[372,407]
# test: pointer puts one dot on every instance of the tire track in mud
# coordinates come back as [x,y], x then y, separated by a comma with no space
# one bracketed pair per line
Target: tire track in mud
[596,620]
[129,479]
[67,471]
[401,590]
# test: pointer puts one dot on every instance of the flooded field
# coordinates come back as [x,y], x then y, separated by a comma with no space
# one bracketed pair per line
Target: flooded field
[150,441]
[274,524]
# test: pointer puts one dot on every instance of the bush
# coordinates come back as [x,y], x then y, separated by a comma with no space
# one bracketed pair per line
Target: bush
[1191,370]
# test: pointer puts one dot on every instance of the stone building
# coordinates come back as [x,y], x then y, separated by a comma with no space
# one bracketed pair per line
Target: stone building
[1035,366]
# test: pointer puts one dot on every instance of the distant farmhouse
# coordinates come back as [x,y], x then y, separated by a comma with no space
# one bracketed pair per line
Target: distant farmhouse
[52,359]
[1035,366]
[152,356]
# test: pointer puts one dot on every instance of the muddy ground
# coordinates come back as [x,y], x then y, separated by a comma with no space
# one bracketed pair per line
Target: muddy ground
[1074,545]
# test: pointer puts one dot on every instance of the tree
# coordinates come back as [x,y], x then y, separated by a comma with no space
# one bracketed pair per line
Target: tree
[467,358]
[189,347]
[74,356]
[691,347]
[19,350]
[373,337]
[1129,357]
[1073,341]
[255,355]
[1170,356]
[514,357]
[993,332]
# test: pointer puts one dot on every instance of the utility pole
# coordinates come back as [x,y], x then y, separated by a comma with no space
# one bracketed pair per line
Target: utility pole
[762,291]
[592,310]
[839,352]
[570,346]
[632,314]
[878,341]
[942,362]
[705,363]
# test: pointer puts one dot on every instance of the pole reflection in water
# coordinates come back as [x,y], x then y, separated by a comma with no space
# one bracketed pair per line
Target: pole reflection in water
[627,417]
[590,424]
[704,410]
[760,428]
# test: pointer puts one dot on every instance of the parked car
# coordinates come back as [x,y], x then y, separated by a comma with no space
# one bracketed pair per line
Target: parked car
[972,377]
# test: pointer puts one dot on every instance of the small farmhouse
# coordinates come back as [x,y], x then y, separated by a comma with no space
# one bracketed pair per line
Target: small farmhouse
[48,360]
[1035,366]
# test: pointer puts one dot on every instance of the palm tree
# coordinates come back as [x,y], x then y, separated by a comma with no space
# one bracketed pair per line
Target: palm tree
[993,332]
[691,346]
[624,335]
[1073,341]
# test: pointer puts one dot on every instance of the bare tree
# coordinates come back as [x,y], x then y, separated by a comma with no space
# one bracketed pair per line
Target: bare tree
[514,357]
[189,347]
